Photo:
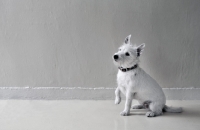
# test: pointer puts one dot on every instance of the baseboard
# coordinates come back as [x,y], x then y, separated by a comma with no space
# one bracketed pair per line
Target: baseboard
[101,93]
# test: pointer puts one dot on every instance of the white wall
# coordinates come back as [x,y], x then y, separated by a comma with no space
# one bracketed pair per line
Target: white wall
[69,43]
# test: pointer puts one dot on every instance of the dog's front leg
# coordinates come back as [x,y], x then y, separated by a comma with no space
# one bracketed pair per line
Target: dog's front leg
[117,96]
[129,98]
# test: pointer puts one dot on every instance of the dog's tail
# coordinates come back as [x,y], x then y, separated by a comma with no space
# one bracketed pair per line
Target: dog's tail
[172,109]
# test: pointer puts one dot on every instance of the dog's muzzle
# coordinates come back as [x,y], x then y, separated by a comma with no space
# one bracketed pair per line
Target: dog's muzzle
[115,57]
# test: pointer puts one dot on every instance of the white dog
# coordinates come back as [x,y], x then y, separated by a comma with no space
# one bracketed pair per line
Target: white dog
[135,83]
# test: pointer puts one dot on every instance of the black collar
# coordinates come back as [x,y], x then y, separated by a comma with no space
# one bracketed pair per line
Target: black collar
[127,69]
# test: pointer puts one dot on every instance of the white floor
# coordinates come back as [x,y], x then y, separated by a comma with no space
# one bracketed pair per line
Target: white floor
[92,115]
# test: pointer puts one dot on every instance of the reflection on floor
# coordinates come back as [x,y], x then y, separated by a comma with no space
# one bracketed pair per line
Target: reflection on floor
[92,115]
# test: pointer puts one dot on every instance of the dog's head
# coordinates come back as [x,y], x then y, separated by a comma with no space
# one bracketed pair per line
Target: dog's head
[128,54]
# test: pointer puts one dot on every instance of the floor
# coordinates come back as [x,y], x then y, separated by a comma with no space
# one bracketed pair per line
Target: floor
[92,115]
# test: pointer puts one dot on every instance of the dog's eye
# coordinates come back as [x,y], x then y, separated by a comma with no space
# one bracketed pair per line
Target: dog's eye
[127,54]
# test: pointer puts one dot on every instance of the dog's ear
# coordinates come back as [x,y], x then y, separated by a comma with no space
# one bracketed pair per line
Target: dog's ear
[127,39]
[139,49]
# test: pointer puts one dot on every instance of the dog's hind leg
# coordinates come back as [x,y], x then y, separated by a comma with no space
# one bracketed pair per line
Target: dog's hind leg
[117,96]
[155,109]
[138,106]
[142,105]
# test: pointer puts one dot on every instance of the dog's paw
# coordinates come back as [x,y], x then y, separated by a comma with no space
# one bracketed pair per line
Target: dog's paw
[117,100]
[124,113]
[150,114]
[137,107]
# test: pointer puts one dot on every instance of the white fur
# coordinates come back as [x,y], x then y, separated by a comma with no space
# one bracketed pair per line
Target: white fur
[137,84]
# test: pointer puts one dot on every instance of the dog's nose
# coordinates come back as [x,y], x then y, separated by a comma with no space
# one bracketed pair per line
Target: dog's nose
[115,57]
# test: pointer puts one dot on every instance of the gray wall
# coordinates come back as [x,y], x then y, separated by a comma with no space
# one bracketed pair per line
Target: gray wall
[69,43]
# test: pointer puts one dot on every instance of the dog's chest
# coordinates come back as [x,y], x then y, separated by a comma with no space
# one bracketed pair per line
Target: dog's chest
[126,79]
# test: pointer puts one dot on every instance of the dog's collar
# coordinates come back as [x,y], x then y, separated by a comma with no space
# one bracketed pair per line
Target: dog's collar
[127,69]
